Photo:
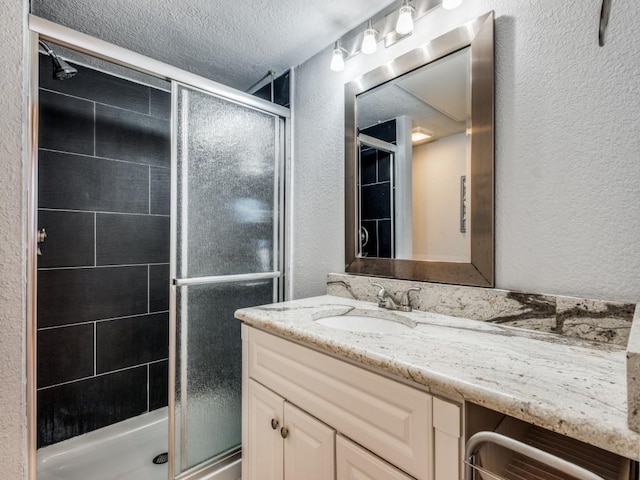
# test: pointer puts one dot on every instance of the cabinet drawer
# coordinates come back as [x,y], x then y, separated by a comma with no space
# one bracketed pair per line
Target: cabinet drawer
[389,418]
[355,463]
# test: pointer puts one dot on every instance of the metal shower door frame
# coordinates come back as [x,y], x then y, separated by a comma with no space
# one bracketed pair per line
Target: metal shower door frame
[276,275]
[41,29]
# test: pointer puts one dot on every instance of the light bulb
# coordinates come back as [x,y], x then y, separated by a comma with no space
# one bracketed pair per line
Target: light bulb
[337,61]
[370,40]
[451,4]
[404,25]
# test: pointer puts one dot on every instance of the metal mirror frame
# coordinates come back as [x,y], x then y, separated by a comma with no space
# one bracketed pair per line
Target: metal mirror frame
[478,34]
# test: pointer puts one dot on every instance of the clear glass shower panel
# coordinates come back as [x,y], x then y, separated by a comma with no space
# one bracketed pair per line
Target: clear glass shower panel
[210,372]
[227,195]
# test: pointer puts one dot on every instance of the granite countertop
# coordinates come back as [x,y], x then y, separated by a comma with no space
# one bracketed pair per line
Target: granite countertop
[574,387]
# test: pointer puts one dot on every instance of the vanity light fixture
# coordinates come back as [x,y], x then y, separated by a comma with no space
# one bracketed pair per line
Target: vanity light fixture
[370,39]
[451,4]
[337,61]
[420,135]
[404,25]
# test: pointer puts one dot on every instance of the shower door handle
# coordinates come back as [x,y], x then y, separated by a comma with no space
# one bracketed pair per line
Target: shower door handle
[243,277]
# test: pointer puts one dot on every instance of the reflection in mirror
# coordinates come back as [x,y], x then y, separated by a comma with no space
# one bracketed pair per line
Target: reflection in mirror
[414,162]
[419,162]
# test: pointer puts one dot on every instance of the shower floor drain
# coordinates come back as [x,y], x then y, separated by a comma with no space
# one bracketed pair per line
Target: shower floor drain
[160,459]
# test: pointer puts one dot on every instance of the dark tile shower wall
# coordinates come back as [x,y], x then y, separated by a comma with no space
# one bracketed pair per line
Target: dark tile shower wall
[103,276]
[280,91]
[376,192]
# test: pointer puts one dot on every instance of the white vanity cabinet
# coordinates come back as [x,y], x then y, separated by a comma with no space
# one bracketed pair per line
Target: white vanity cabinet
[285,442]
[355,463]
[376,427]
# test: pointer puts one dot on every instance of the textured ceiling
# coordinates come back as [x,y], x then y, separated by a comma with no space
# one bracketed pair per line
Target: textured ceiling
[232,42]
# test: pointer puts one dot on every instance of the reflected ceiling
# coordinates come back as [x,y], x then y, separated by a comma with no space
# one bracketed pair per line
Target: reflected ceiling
[232,42]
[435,97]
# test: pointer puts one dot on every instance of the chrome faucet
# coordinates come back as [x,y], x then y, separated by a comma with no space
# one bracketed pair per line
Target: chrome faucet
[405,300]
[386,300]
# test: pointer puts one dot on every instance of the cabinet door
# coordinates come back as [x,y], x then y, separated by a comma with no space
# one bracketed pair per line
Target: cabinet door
[355,463]
[264,452]
[309,447]
[389,418]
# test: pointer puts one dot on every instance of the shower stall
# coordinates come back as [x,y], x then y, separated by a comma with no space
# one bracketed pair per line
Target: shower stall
[156,210]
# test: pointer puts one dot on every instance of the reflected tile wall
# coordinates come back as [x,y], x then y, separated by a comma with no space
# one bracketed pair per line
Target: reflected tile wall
[376,193]
[103,279]
[280,91]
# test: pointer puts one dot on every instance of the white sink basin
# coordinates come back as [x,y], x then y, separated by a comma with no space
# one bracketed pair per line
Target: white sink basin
[362,323]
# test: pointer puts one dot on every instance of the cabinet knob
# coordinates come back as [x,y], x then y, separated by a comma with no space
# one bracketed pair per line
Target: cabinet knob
[274,423]
[284,431]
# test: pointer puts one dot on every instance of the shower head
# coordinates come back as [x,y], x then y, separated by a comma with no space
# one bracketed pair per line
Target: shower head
[61,69]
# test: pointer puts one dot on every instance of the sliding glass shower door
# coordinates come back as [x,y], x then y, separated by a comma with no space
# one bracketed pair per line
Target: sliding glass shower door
[226,254]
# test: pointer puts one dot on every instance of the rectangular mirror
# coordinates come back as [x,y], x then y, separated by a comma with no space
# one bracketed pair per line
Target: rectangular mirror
[419,162]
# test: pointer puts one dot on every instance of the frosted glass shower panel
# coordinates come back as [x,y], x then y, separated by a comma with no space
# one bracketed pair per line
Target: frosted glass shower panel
[211,360]
[227,195]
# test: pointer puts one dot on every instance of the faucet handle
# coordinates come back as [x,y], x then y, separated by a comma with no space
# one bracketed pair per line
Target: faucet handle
[381,295]
[405,301]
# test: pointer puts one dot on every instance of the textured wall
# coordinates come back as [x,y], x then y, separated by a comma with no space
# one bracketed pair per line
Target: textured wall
[12,246]
[567,209]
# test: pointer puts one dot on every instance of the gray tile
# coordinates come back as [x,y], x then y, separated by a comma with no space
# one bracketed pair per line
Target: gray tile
[125,135]
[158,385]
[160,185]
[281,90]
[158,288]
[65,123]
[75,408]
[76,182]
[131,239]
[384,131]
[131,341]
[376,201]
[160,104]
[78,295]
[65,354]
[384,238]
[70,239]
[368,165]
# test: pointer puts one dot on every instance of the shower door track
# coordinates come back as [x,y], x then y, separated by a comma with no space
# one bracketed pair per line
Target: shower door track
[41,29]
